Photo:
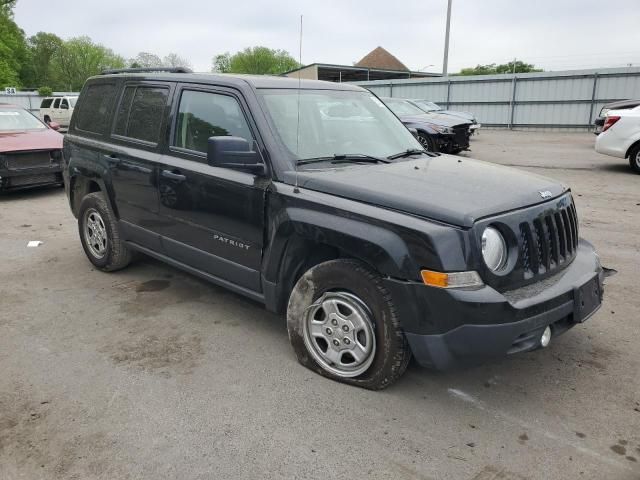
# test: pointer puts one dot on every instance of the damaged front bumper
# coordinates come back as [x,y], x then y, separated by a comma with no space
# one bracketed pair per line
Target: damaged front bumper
[447,328]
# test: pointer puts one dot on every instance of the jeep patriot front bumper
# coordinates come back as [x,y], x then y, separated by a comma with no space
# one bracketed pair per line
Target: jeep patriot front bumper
[447,328]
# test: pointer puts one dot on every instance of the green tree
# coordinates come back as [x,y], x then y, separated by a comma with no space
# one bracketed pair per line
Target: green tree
[79,58]
[175,60]
[146,60]
[13,47]
[43,48]
[255,60]
[517,66]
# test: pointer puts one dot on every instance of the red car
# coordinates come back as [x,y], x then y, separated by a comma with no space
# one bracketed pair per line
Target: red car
[30,151]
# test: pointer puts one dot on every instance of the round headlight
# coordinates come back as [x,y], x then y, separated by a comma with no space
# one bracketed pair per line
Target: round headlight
[494,249]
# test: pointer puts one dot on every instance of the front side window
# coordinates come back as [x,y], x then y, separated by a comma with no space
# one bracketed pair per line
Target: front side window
[95,106]
[141,112]
[202,115]
[64,104]
[12,120]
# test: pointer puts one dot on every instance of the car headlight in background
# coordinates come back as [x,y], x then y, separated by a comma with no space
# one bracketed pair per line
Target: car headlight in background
[494,249]
[441,129]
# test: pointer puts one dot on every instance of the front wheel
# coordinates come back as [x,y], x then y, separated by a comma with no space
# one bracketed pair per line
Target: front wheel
[342,324]
[634,158]
[427,142]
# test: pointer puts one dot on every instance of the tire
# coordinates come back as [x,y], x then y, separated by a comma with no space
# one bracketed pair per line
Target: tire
[100,235]
[634,158]
[341,293]
[47,119]
[427,142]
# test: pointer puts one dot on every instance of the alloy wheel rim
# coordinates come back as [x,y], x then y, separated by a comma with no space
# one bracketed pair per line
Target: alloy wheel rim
[95,233]
[339,334]
[424,142]
[638,159]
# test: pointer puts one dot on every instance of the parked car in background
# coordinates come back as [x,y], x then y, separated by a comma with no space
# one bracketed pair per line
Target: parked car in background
[620,136]
[620,105]
[30,151]
[441,133]
[433,108]
[57,109]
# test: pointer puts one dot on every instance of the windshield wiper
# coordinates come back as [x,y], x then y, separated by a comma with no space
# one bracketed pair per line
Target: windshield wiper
[408,153]
[344,158]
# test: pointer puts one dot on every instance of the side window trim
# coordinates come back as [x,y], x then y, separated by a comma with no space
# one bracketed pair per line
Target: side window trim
[170,86]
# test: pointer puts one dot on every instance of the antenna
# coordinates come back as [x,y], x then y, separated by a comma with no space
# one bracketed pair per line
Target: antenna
[295,166]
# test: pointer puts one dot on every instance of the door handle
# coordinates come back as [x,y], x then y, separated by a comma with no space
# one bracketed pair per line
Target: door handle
[175,175]
[112,159]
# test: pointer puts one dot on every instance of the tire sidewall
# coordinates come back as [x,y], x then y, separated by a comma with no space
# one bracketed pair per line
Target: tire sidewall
[97,202]
[634,159]
[353,278]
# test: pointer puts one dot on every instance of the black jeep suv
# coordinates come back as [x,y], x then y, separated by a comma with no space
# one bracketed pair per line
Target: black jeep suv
[313,199]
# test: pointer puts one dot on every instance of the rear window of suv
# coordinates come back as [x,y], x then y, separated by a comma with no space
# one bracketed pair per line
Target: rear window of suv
[93,114]
[141,112]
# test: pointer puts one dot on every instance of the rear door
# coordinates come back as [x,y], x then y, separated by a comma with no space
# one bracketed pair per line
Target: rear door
[137,138]
[211,218]
[55,111]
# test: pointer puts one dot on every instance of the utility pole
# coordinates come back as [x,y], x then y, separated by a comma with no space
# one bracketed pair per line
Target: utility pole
[445,62]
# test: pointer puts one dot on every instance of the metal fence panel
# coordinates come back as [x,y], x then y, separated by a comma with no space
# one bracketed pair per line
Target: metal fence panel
[545,99]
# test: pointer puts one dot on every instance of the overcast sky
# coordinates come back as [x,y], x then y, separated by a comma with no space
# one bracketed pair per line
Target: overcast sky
[553,34]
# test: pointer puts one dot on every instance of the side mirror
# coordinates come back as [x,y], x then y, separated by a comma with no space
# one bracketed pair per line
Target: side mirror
[54,126]
[64,106]
[233,152]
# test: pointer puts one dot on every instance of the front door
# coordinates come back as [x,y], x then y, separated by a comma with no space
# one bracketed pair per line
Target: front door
[134,159]
[211,218]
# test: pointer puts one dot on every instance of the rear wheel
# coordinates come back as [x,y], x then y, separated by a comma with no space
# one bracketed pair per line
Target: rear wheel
[427,143]
[100,235]
[634,158]
[47,119]
[343,325]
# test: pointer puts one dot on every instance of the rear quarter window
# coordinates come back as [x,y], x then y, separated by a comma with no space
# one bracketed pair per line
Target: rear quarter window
[46,103]
[94,108]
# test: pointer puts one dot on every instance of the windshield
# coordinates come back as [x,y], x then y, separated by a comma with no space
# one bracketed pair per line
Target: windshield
[402,107]
[428,106]
[335,122]
[72,101]
[18,119]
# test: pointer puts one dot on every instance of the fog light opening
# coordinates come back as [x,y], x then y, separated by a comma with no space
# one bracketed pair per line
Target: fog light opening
[545,339]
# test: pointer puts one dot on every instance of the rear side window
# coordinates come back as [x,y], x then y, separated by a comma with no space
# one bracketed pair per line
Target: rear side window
[141,112]
[94,108]
[56,103]
[46,103]
[202,115]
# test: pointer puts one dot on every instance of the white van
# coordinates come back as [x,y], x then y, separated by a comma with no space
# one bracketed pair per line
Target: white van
[57,109]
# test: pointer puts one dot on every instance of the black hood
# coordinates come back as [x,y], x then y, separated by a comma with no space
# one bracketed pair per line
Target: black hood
[454,190]
[435,118]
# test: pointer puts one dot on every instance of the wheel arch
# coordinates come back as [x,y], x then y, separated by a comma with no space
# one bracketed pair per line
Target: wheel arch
[309,238]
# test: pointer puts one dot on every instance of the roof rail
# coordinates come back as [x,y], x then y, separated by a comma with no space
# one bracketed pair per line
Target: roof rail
[147,70]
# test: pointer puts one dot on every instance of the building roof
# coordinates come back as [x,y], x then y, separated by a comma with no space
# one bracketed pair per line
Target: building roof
[382,59]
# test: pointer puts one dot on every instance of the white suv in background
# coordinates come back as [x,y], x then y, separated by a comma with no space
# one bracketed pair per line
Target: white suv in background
[620,136]
[57,109]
